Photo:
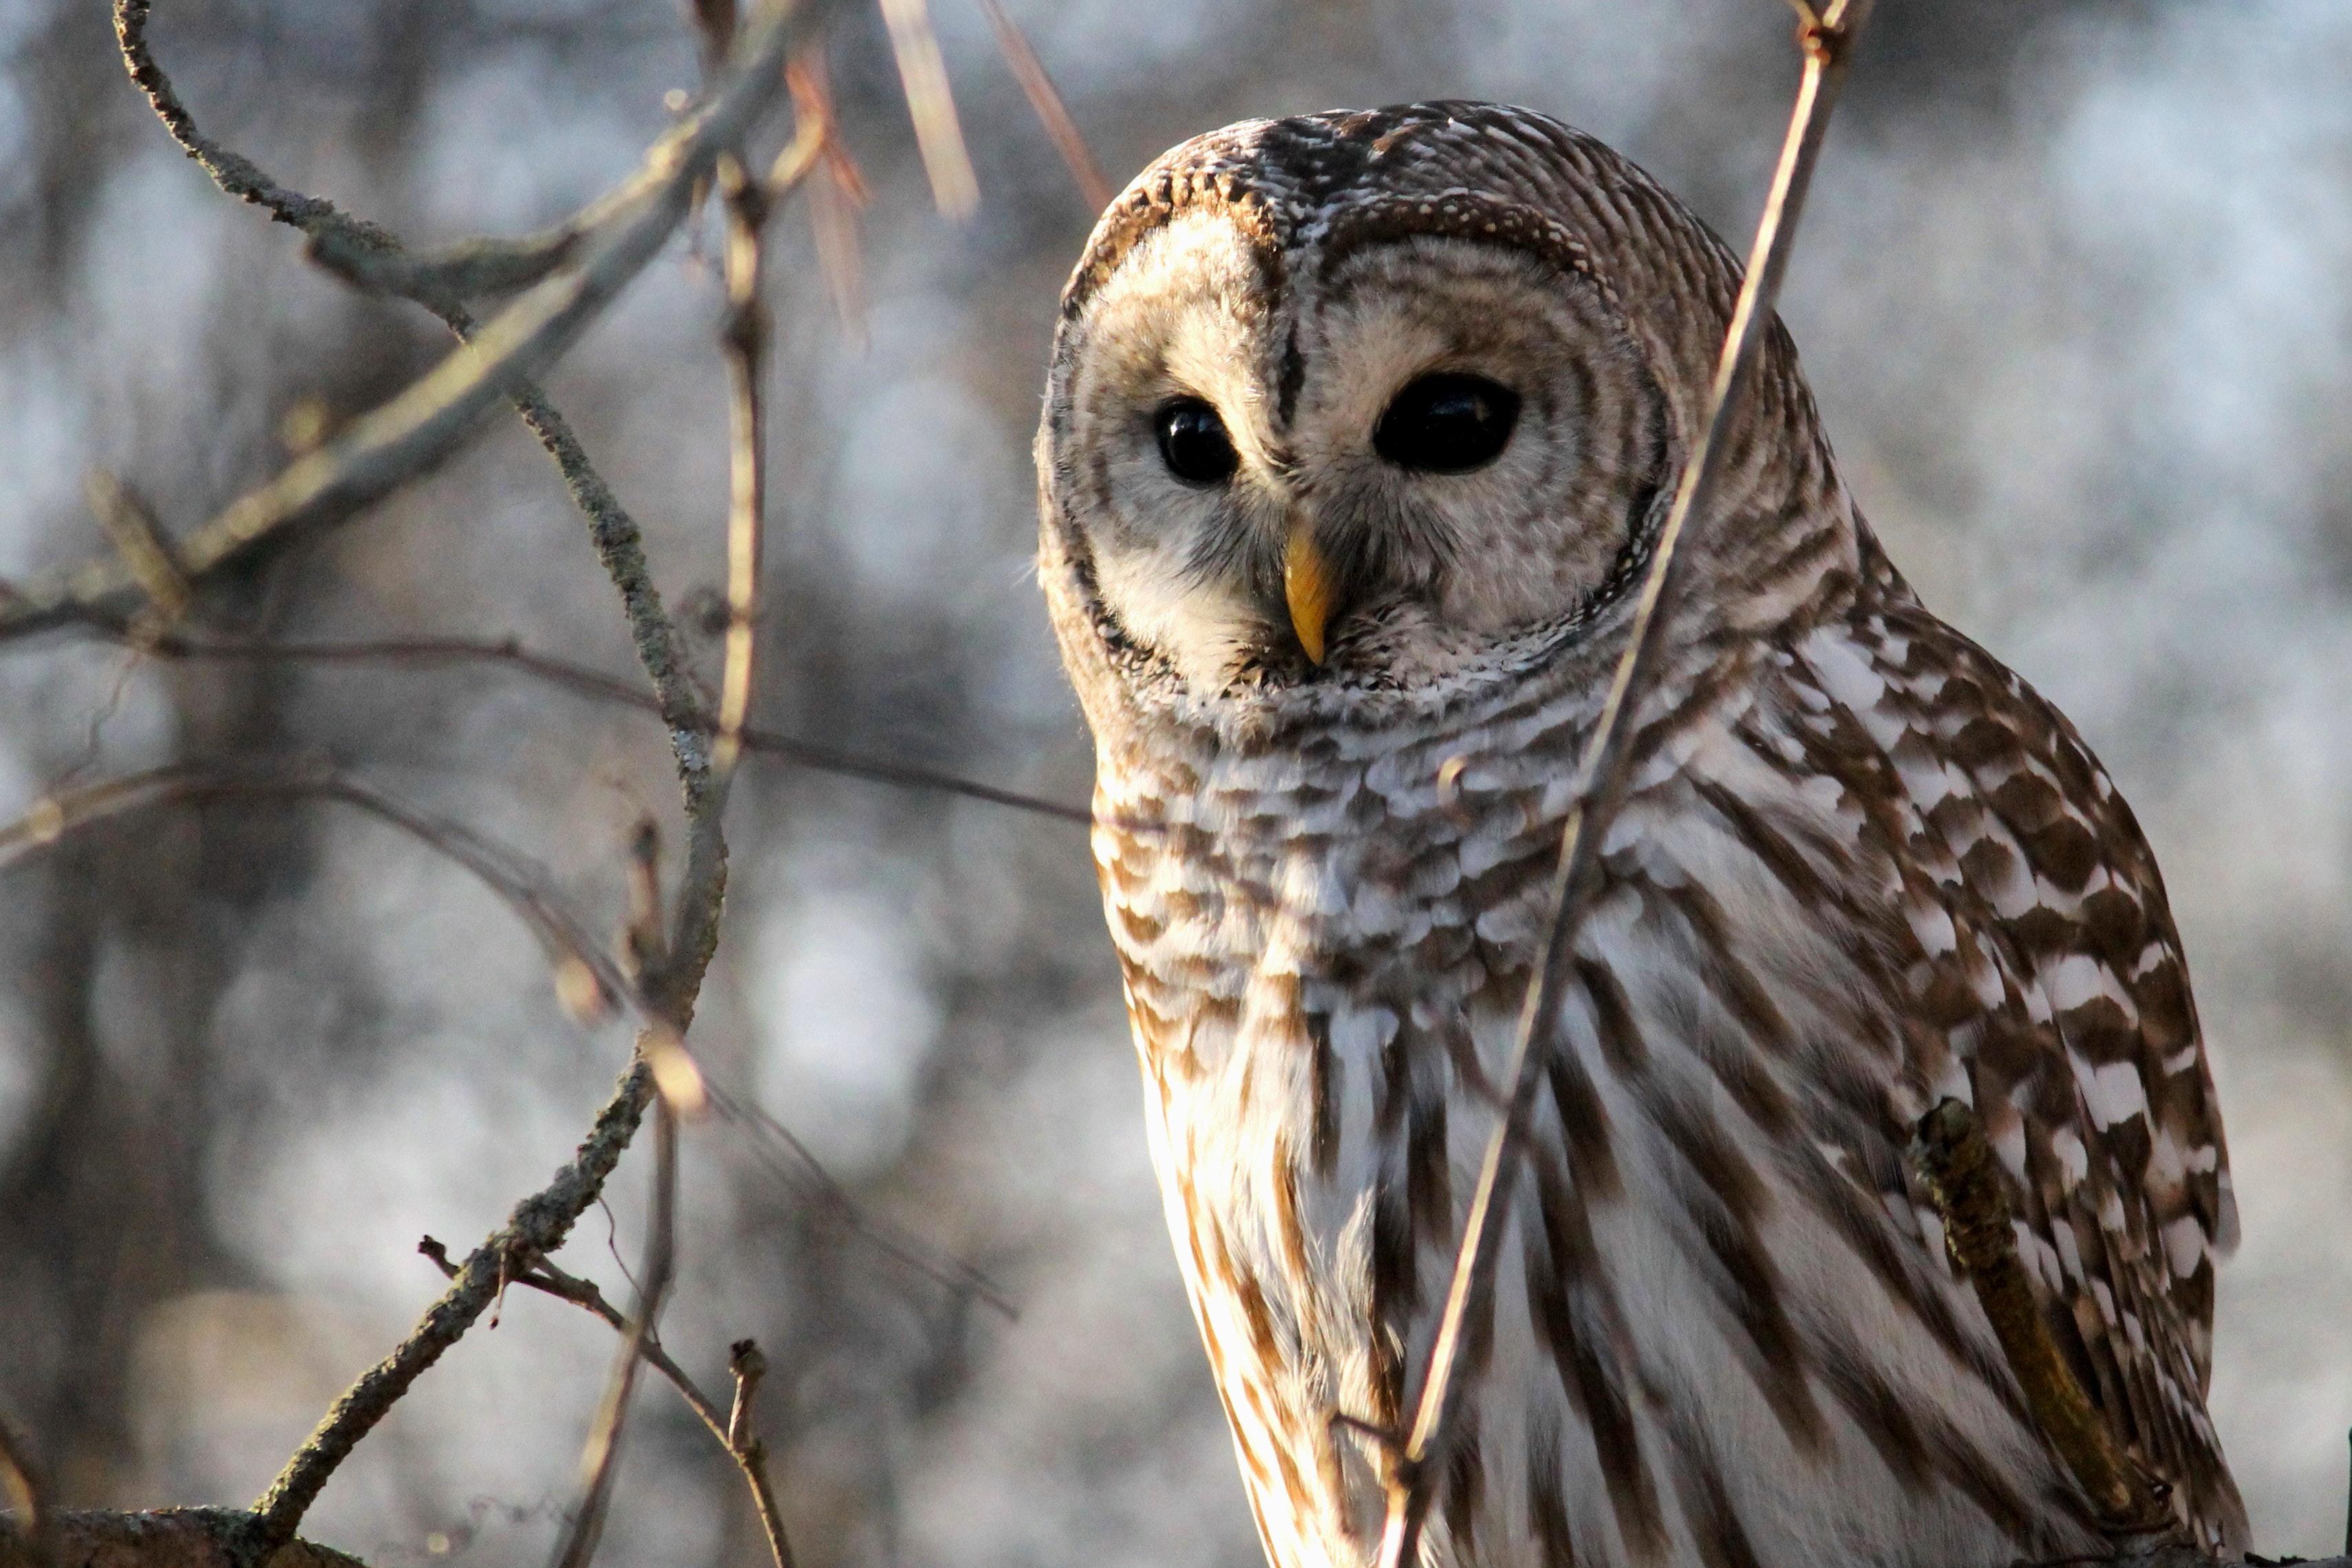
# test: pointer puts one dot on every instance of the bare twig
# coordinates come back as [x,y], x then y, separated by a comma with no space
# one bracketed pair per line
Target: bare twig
[585,681]
[924,75]
[548,1279]
[1030,72]
[742,338]
[600,1459]
[749,1365]
[1601,783]
[146,554]
[808,1178]
[840,191]
[1962,1177]
[518,883]
[537,1227]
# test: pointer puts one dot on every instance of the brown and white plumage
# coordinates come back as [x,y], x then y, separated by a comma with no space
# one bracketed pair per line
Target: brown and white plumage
[1861,866]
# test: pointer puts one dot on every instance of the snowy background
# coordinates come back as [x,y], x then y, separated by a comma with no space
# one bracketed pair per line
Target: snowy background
[2076,293]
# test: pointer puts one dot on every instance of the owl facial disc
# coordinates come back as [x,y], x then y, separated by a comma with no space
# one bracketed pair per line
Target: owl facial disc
[1370,463]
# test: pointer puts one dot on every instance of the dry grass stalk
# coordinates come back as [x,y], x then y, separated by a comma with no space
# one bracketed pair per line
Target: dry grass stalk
[1046,103]
[1417,1458]
[923,74]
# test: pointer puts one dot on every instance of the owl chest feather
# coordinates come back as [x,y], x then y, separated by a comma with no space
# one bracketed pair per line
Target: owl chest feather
[1325,955]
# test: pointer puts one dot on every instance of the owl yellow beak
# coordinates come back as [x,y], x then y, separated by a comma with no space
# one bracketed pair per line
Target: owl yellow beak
[1307,589]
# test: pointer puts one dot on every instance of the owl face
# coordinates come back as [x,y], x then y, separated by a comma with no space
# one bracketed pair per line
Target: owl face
[1380,457]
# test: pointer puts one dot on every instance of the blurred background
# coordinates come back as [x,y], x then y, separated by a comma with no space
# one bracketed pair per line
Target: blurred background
[2073,293]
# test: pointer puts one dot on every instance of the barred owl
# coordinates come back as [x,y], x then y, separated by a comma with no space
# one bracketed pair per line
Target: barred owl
[1359,429]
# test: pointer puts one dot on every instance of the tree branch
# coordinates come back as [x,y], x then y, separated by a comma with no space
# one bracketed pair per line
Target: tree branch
[547,1279]
[742,338]
[537,1227]
[1963,1177]
[168,1538]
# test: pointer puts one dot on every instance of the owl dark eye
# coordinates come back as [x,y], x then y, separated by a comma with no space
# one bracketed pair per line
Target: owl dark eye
[1447,423]
[1193,442]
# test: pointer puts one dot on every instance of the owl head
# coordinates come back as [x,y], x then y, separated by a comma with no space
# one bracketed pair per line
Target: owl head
[1374,405]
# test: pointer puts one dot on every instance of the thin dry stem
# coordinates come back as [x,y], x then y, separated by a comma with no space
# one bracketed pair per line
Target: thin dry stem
[549,1280]
[595,684]
[743,338]
[1046,103]
[600,1458]
[840,191]
[519,885]
[808,1178]
[141,543]
[1601,785]
[743,1358]
[947,163]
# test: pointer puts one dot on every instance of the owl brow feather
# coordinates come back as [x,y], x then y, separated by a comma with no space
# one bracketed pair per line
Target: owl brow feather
[1826,37]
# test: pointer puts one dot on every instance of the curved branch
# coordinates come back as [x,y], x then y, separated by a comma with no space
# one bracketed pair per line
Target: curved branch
[421,426]
[375,256]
